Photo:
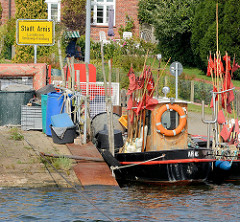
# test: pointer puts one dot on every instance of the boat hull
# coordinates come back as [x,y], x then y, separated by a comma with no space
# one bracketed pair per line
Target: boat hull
[168,166]
[219,175]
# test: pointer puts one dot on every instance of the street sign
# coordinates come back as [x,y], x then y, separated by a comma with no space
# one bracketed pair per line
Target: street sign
[35,32]
[176,68]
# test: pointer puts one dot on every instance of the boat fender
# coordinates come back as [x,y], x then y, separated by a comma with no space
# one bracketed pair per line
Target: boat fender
[223,165]
[182,122]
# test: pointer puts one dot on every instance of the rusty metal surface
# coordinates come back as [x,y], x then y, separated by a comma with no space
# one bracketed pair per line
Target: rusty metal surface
[90,172]
[93,173]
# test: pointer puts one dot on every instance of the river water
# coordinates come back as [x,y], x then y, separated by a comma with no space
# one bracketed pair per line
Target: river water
[135,203]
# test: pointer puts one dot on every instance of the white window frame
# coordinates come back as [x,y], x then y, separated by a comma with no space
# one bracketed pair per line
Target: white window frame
[94,4]
[49,4]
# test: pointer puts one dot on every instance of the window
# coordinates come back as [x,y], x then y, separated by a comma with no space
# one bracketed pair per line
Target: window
[54,7]
[100,11]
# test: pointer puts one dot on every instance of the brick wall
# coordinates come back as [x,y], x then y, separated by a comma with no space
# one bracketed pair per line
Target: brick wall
[123,7]
[5,6]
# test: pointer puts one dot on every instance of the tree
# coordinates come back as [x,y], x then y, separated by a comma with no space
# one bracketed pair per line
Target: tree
[173,21]
[144,10]
[74,15]
[34,9]
[204,30]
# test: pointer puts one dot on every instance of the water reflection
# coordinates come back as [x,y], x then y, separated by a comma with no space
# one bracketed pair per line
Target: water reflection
[135,203]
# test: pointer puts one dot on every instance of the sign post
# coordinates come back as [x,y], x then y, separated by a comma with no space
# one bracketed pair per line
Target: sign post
[176,69]
[35,32]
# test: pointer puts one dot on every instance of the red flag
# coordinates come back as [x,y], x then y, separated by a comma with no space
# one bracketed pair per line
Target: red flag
[130,103]
[221,118]
[132,82]
[140,82]
[150,84]
[151,102]
[235,66]
[225,134]
[227,97]
[210,66]
[219,64]
[227,60]
[140,106]
[231,94]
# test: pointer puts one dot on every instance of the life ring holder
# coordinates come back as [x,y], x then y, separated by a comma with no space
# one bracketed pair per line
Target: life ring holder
[183,120]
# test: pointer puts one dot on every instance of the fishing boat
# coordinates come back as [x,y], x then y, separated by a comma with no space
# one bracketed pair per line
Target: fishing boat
[158,148]
[226,136]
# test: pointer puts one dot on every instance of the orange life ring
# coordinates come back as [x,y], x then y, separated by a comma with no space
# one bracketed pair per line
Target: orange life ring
[183,120]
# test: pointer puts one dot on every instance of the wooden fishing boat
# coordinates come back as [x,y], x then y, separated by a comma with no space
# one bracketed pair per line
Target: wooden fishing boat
[166,153]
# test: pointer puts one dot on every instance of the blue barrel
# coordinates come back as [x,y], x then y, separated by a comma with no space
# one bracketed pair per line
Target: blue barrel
[44,111]
[54,106]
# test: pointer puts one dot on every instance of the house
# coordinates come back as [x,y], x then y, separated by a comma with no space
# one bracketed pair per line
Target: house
[99,14]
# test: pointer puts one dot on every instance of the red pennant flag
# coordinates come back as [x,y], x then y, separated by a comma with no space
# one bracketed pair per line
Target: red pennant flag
[219,64]
[151,103]
[140,82]
[227,60]
[140,107]
[130,103]
[235,66]
[225,134]
[210,66]
[221,118]
[150,84]
[132,82]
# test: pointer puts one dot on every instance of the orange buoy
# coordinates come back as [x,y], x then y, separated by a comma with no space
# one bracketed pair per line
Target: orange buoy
[183,120]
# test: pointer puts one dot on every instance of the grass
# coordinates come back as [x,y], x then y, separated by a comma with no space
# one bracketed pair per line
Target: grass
[61,163]
[198,109]
[15,135]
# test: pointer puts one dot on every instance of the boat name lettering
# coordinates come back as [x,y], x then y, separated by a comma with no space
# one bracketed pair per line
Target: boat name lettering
[193,153]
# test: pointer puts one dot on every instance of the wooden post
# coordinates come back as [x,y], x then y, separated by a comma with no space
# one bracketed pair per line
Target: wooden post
[166,80]
[87,105]
[110,107]
[73,72]
[192,91]
[78,79]
[108,101]
[60,62]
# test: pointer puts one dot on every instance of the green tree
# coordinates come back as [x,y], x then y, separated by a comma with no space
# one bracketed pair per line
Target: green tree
[173,21]
[74,14]
[144,10]
[204,30]
[35,9]
[203,38]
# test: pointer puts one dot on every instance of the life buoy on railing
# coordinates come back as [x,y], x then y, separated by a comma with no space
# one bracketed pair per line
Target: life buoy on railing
[183,120]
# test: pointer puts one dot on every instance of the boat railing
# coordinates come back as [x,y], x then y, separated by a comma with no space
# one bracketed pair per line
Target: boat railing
[214,120]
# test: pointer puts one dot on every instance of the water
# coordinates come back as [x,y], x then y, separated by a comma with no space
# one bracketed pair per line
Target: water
[136,203]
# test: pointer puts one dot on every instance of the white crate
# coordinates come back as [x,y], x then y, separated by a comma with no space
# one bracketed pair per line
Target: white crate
[31,117]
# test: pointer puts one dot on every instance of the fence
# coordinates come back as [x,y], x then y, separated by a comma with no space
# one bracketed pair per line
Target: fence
[97,96]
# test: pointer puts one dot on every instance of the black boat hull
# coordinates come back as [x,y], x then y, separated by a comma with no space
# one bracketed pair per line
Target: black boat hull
[157,167]
[219,175]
